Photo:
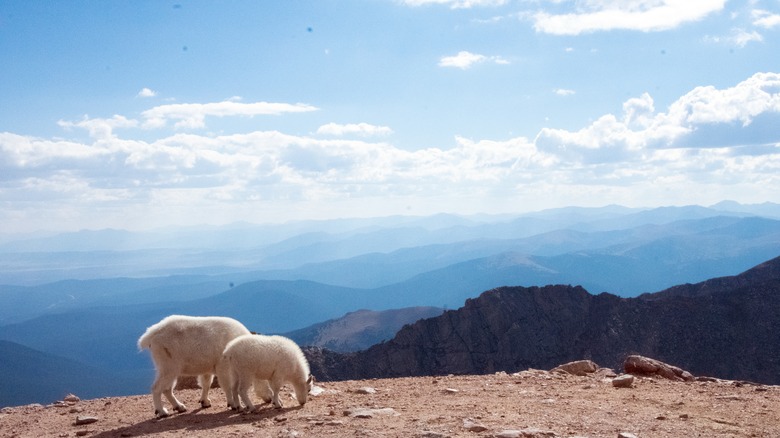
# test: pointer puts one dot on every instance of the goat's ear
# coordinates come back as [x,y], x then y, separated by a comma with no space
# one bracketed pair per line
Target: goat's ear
[310,380]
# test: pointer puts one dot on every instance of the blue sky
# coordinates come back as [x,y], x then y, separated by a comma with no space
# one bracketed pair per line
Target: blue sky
[140,114]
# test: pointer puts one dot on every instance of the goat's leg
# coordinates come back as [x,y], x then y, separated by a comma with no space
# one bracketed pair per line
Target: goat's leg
[244,382]
[159,409]
[226,382]
[263,391]
[167,390]
[276,385]
[164,384]
[233,398]
[204,380]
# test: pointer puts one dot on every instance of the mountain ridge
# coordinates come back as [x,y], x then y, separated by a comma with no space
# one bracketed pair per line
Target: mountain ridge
[730,331]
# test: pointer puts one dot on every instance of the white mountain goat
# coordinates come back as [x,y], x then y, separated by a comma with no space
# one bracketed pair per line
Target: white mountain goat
[250,359]
[188,346]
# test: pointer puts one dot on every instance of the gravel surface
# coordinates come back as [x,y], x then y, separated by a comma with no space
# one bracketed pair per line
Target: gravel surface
[527,404]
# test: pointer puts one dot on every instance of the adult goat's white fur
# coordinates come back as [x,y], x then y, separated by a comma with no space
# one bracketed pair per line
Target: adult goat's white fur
[188,346]
[250,359]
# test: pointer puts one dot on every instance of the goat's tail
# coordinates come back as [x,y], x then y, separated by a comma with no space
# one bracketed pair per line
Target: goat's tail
[145,341]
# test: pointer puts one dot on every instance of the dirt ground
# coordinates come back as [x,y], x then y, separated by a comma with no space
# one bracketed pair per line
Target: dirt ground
[527,404]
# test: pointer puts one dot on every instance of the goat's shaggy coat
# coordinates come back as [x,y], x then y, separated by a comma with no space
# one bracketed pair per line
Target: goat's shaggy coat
[250,359]
[188,346]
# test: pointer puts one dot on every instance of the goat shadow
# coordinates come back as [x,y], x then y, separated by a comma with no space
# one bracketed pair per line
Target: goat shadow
[195,420]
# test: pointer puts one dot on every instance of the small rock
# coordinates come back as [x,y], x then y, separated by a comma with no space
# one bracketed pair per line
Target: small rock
[626,435]
[365,390]
[471,426]
[730,397]
[71,398]
[525,433]
[316,390]
[623,381]
[451,391]
[83,433]
[431,434]
[369,413]
[706,379]
[85,419]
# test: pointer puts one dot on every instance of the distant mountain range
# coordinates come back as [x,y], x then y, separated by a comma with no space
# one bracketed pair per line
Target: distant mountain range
[30,376]
[303,278]
[360,329]
[247,248]
[726,327]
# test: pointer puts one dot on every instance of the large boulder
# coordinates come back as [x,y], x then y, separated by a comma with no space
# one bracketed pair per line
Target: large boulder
[644,366]
[578,368]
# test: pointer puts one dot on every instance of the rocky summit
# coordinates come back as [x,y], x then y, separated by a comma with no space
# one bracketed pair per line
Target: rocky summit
[726,327]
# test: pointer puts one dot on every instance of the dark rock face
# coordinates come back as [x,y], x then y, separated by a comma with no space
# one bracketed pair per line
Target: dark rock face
[727,327]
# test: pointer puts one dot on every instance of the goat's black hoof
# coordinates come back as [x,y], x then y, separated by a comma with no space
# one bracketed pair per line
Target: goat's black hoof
[160,414]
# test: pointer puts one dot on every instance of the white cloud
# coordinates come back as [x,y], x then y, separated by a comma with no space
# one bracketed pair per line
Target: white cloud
[456,4]
[737,37]
[742,37]
[765,19]
[146,92]
[362,129]
[639,154]
[462,60]
[465,60]
[639,15]
[100,128]
[564,92]
[640,131]
[193,115]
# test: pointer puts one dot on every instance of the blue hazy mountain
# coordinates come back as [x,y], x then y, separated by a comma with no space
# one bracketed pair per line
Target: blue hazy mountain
[31,376]
[284,278]
[240,248]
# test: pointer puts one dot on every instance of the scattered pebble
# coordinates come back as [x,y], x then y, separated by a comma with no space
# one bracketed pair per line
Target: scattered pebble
[365,390]
[85,419]
[472,426]
[623,381]
[369,413]
[526,433]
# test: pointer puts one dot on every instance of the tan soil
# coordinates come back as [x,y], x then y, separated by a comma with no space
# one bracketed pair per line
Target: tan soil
[537,403]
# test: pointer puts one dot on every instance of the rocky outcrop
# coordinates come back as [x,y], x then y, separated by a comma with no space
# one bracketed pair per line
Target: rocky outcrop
[723,327]
[577,368]
[644,366]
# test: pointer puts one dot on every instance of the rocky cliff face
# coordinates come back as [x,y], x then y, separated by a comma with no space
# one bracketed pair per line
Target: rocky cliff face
[727,327]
